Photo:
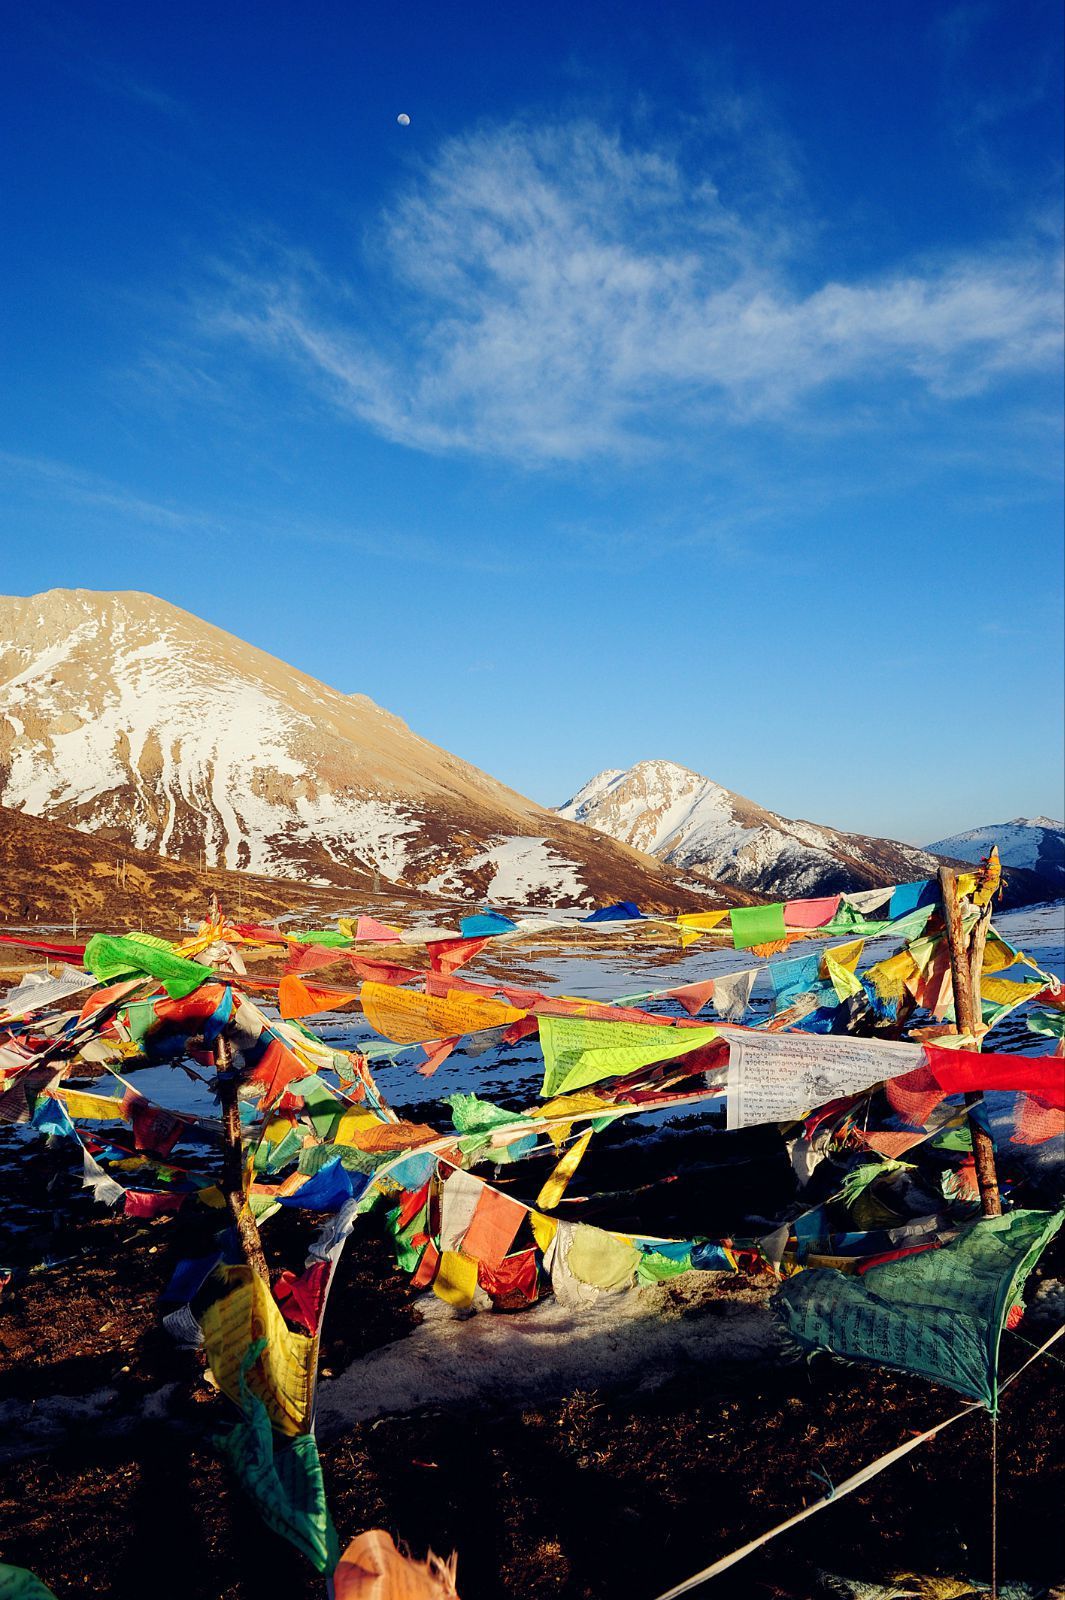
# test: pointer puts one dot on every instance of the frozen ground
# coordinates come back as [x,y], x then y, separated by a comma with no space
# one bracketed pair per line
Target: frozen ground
[639,1336]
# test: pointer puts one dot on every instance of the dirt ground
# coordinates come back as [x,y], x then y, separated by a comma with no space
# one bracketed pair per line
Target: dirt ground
[601,1495]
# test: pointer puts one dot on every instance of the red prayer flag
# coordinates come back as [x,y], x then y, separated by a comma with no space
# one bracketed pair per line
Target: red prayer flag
[810,913]
[426,1268]
[447,955]
[693,996]
[301,1298]
[149,1203]
[381,971]
[512,1284]
[309,957]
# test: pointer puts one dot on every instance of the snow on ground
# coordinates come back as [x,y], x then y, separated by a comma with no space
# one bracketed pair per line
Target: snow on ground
[523,870]
[638,1335]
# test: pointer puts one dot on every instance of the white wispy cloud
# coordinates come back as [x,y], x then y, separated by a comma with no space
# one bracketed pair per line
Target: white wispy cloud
[552,293]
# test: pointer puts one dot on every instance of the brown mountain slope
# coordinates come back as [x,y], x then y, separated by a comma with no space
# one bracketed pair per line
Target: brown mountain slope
[49,872]
[126,717]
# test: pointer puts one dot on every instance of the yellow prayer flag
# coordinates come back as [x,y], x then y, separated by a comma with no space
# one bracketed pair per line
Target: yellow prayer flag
[890,976]
[702,920]
[543,1229]
[555,1187]
[456,1278]
[90,1107]
[1004,992]
[283,1376]
[410,1018]
[838,966]
[347,1129]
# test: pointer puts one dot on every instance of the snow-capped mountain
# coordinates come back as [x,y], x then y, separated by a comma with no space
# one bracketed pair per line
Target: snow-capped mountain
[124,716]
[1033,846]
[702,828]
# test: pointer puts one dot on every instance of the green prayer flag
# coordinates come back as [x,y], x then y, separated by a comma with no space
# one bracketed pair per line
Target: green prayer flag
[332,938]
[849,921]
[1044,1020]
[286,1483]
[111,956]
[757,925]
[655,1268]
[139,1017]
[472,1115]
[17,1583]
[579,1051]
[322,1106]
[938,1314]
[313,1157]
[407,1254]
[271,1158]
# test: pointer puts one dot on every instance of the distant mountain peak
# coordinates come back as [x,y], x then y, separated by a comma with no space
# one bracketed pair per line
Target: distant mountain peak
[1032,846]
[697,825]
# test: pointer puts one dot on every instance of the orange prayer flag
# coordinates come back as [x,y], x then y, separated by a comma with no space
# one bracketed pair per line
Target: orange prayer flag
[371,1568]
[297,999]
[436,1052]
[496,1219]
[411,1018]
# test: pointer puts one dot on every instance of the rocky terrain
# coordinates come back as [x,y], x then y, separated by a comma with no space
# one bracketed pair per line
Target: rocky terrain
[52,876]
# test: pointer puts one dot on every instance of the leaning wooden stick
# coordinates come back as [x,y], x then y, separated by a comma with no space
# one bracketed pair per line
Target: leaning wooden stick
[233,1162]
[965,977]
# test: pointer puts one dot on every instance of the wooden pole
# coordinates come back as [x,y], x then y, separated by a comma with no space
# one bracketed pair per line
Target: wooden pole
[965,978]
[233,1162]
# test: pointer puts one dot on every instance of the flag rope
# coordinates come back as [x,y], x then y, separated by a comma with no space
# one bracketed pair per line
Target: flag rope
[860,1478]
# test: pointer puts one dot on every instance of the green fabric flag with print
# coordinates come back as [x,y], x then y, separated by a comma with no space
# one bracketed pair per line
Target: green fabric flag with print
[110,956]
[849,921]
[472,1115]
[579,1051]
[938,1314]
[285,1483]
[322,1107]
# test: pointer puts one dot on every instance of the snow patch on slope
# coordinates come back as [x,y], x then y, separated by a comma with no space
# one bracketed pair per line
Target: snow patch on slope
[523,871]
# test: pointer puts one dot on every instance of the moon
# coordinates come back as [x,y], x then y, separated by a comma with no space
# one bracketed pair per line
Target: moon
[403,120]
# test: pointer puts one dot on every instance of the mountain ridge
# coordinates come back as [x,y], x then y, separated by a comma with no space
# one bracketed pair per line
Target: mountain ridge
[697,825]
[125,716]
[1032,849]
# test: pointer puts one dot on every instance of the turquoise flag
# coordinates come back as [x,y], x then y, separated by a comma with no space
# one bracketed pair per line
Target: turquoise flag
[286,1482]
[939,1314]
[16,1583]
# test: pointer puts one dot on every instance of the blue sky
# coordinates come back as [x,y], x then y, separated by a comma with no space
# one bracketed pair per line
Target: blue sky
[684,381]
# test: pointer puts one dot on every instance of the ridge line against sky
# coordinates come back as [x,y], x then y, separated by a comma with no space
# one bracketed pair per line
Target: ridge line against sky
[674,384]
